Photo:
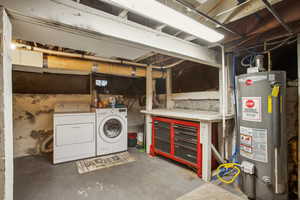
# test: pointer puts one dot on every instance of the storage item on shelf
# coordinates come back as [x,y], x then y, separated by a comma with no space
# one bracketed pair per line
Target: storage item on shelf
[140,139]
[132,139]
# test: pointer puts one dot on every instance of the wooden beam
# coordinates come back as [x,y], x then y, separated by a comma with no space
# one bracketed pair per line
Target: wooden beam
[143,57]
[174,64]
[298,55]
[124,14]
[205,139]
[161,27]
[105,26]
[149,102]
[190,38]
[169,89]
[6,116]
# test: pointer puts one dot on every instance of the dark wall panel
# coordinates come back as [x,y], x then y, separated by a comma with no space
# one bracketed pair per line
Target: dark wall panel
[193,77]
[46,83]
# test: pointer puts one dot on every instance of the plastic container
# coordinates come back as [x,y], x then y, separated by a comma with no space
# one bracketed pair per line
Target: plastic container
[140,138]
[132,139]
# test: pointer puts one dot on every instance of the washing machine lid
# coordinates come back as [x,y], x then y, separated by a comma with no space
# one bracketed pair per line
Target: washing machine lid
[112,128]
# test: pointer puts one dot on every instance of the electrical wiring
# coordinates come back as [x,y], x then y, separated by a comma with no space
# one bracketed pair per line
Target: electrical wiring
[277,43]
[251,61]
[251,58]
[226,169]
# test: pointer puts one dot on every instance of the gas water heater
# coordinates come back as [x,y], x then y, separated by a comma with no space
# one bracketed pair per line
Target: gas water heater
[261,138]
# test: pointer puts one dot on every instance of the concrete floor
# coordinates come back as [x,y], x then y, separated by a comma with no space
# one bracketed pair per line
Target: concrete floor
[147,178]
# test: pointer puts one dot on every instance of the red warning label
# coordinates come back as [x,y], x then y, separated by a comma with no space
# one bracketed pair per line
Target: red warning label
[251,109]
[249,82]
[250,103]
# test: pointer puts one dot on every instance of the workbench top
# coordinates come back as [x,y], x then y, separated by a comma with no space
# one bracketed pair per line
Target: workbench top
[192,115]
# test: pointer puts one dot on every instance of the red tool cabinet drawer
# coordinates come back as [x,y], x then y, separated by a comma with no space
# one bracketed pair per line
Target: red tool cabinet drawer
[186,153]
[177,140]
[162,145]
[180,141]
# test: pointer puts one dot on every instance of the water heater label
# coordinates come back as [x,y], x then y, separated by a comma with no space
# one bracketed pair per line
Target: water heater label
[253,143]
[251,109]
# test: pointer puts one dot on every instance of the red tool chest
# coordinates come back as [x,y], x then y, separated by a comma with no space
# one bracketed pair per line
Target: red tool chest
[178,140]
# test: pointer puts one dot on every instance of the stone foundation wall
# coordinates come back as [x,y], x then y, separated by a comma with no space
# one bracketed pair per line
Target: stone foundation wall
[33,118]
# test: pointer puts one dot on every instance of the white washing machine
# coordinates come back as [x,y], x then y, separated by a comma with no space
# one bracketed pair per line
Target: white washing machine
[111,130]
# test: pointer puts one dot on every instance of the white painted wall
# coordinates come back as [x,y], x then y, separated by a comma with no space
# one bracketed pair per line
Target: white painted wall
[6,130]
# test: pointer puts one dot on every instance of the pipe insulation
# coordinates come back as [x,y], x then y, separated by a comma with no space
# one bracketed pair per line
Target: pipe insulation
[48,60]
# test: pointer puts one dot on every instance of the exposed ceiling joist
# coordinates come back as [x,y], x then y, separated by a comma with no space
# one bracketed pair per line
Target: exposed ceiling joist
[70,15]
[226,13]
[174,64]
[190,38]
[159,61]
[144,56]
[124,14]
[161,27]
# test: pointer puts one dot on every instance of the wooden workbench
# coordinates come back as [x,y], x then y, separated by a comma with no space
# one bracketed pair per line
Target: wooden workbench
[192,115]
[205,118]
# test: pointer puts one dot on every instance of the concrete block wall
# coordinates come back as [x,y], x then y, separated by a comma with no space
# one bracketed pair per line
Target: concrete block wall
[206,105]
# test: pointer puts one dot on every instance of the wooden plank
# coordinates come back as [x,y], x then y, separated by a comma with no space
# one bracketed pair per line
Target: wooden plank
[6,117]
[149,102]
[205,139]
[170,103]
[298,53]
[106,27]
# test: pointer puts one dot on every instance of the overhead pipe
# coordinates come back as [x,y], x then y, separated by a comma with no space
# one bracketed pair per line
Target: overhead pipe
[192,8]
[277,16]
[233,8]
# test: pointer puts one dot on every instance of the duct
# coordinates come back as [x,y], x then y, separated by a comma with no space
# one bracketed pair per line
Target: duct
[58,62]
[82,56]
[68,63]
[276,15]
[191,7]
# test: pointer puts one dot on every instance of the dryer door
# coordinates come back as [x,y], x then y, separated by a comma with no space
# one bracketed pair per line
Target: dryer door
[111,129]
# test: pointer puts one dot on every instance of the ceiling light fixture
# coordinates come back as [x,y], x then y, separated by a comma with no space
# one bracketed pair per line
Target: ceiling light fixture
[159,12]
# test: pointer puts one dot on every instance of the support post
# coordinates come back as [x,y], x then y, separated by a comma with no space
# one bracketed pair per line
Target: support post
[149,100]
[298,55]
[6,128]
[223,89]
[205,139]
[169,89]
